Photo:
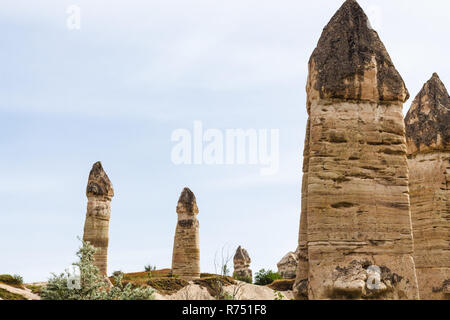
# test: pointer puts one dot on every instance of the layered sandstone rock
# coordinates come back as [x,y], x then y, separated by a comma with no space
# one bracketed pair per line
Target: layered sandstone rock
[242,262]
[355,227]
[287,267]
[99,192]
[186,247]
[428,140]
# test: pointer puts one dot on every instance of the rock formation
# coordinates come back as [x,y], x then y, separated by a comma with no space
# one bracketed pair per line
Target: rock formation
[355,238]
[186,247]
[99,192]
[428,140]
[287,267]
[242,262]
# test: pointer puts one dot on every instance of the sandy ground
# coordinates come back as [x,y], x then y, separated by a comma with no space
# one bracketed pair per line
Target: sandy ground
[23,292]
[241,291]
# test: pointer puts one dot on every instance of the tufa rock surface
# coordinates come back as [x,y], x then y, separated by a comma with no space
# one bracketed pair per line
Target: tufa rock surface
[242,262]
[355,202]
[427,134]
[287,267]
[186,247]
[99,192]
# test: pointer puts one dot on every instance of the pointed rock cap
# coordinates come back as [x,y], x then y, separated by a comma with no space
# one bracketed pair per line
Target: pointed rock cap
[351,63]
[99,183]
[428,120]
[288,258]
[187,202]
[241,256]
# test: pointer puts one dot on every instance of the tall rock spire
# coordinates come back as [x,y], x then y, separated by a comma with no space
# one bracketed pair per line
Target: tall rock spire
[241,261]
[186,247]
[99,192]
[428,119]
[428,139]
[355,221]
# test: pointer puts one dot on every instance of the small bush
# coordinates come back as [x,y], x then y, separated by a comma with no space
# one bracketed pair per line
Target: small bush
[241,278]
[278,295]
[149,268]
[92,285]
[264,277]
[225,270]
[15,280]
[117,273]
[36,289]
[18,279]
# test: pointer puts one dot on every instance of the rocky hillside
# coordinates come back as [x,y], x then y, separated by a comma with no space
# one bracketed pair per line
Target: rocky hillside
[12,289]
[208,287]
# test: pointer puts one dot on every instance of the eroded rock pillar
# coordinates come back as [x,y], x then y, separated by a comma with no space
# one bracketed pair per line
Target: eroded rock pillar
[241,261]
[355,221]
[186,248]
[428,139]
[99,192]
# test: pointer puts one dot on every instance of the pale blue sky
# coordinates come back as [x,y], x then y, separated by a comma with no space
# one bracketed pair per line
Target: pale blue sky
[116,89]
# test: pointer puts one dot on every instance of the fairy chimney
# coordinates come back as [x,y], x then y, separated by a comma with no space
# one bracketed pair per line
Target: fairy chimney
[428,140]
[186,248]
[355,222]
[99,192]
[242,262]
[287,266]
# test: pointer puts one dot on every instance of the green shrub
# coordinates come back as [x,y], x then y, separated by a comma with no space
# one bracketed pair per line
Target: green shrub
[15,280]
[264,277]
[278,295]
[149,268]
[18,279]
[225,270]
[93,286]
[117,273]
[241,278]
[36,289]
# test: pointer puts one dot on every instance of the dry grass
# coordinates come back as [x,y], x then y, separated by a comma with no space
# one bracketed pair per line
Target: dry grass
[213,283]
[6,295]
[36,289]
[161,280]
[282,285]
[166,283]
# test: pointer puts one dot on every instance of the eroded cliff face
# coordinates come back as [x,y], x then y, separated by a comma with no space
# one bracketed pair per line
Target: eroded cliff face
[186,248]
[300,286]
[427,133]
[355,204]
[99,192]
